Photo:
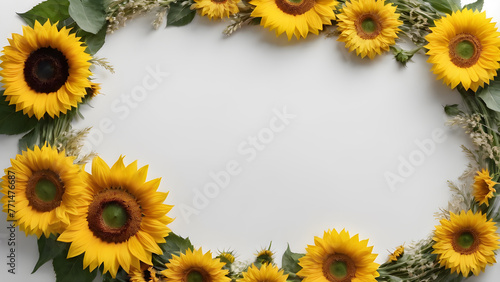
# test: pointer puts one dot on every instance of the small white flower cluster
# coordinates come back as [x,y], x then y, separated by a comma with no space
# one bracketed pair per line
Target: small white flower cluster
[418,17]
[472,124]
[420,263]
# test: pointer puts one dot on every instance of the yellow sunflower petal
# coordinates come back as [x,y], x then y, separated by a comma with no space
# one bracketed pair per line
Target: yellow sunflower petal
[484,187]
[338,256]
[196,264]
[266,273]
[216,9]
[294,17]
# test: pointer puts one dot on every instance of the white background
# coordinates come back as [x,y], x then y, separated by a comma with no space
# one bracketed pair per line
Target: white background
[355,119]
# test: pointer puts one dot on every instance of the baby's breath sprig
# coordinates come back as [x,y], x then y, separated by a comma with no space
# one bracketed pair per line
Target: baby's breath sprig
[118,12]
[243,17]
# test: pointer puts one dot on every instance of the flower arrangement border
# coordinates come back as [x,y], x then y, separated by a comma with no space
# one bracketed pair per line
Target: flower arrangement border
[46,79]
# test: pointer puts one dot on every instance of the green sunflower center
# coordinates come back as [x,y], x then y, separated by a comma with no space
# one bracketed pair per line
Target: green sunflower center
[194,276]
[114,215]
[464,50]
[46,70]
[295,1]
[45,190]
[465,240]
[338,269]
[369,25]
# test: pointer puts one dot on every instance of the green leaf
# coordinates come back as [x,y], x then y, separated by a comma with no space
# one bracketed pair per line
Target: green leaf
[94,41]
[71,270]
[445,6]
[491,95]
[29,140]
[12,122]
[290,261]
[478,5]
[88,14]
[121,276]
[55,10]
[452,110]
[48,248]
[180,13]
[174,245]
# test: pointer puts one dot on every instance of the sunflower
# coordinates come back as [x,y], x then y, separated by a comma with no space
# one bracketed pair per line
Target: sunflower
[93,90]
[368,26]
[122,220]
[297,17]
[484,187]
[226,257]
[146,273]
[216,9]
[45,70]
[397,253]
[41,190]
[466,242]
[338,257]
[265,256]
[195,266]
[464,48]
[266,273]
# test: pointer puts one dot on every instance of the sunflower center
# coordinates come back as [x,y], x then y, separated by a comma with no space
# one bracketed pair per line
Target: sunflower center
[46,70]
[196,275]
[368,26]
[465,242]
[44,190]
[339,268]
[465,50]
[114,216]
[295,7]
[146,275]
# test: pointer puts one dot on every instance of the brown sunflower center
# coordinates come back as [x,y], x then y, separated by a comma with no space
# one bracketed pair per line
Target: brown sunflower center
[46,70]
[465,242]
[465,50]
[368,26]
[114,216]
[196,275]
[295,7]
[339,268]
[146,274]
[44,190]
